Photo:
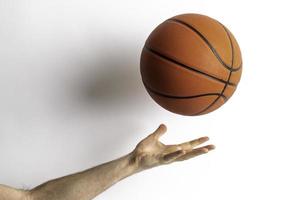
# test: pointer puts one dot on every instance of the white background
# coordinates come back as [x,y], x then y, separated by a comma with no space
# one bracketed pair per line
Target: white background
[71,97]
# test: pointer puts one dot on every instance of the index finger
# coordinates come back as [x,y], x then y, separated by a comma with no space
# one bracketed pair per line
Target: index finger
[196,142]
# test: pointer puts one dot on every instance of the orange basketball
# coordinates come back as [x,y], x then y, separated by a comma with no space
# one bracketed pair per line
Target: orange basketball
[191,64]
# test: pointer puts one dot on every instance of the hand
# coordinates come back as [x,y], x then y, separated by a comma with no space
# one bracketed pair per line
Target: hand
[150,152]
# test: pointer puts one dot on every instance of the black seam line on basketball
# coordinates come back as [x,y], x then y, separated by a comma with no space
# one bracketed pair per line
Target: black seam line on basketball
[231,44]
[183,97]
[185,66]
[232,48]
[209,106]
[228,79]
[208,44]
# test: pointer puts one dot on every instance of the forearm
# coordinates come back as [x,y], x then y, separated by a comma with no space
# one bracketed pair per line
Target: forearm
[9,193]
[87,184]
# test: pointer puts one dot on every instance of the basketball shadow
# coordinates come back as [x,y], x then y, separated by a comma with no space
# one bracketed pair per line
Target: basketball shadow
[108,92]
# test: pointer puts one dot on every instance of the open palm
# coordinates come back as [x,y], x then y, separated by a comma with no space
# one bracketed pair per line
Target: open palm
[150,152]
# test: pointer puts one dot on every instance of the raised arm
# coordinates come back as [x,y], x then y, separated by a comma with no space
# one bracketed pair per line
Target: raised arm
[86,185]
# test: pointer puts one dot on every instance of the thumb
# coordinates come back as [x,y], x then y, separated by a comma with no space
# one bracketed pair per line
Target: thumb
[162,129]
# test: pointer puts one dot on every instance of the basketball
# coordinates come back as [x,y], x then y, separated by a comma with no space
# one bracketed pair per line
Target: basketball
[191,64]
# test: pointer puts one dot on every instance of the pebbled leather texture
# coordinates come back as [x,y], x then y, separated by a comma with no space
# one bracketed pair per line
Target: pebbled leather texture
[191,64]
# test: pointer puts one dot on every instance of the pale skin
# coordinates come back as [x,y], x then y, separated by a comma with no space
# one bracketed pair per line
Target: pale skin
[88,184]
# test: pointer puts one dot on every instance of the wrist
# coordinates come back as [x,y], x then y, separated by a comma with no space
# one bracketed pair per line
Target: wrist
[133,162]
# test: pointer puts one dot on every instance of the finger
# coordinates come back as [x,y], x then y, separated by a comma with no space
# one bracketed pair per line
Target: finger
[198,141]
[192,154]
[168,158]
[196,152]
[159,131]
[210,147]
[188,146]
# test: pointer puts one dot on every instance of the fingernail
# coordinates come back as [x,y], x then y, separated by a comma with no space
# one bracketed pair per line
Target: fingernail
[163,126]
